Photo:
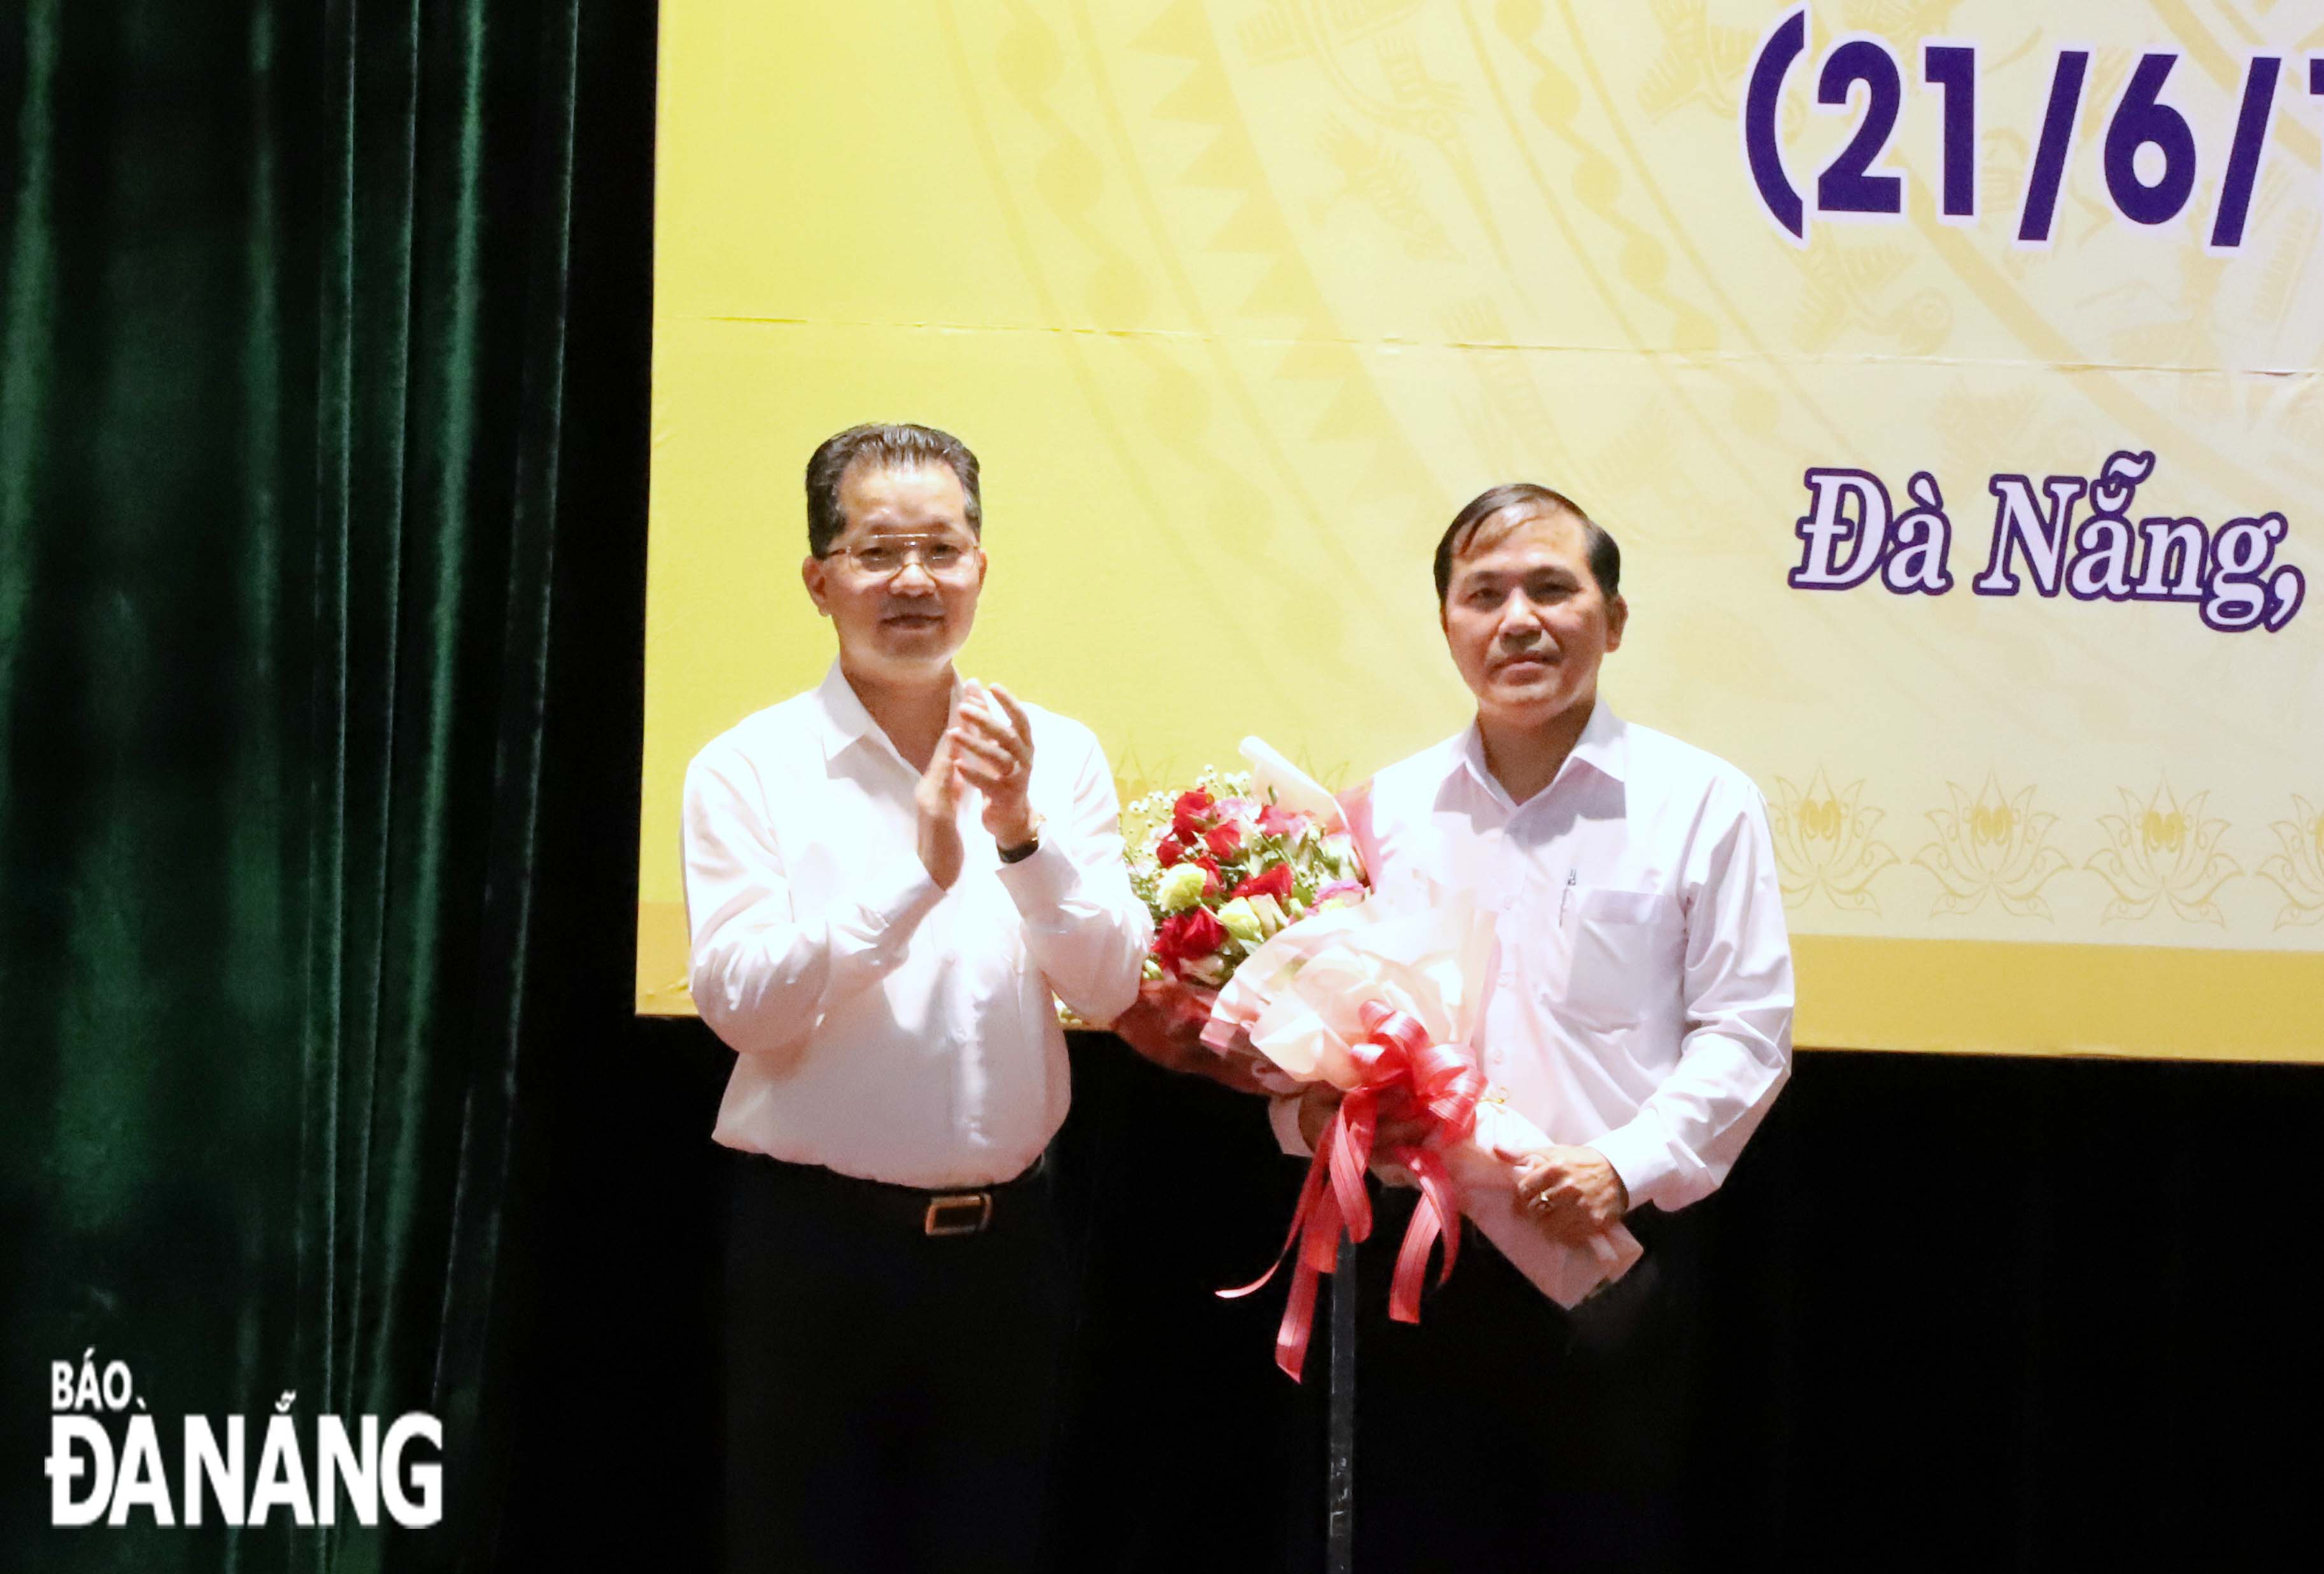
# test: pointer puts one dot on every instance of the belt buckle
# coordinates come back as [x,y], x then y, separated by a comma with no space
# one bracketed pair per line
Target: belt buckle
[958,1214]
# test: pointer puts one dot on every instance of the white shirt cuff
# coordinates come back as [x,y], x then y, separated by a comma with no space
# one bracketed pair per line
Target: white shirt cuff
[894,900]
[1041,884]
[1640,1154]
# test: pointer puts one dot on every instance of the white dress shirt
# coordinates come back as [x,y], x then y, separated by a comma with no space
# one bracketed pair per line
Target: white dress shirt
[888,1028]
[1644,1001]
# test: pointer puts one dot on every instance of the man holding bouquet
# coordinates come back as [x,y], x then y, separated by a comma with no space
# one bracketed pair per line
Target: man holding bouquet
[1640,1017]
[886,878]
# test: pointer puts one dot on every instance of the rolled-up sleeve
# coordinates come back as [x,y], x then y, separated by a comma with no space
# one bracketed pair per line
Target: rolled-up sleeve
[1736,1049]
[1085,927]
[761,978]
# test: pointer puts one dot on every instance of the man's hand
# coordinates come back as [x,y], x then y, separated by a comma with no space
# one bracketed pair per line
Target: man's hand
[995,747]
[1165,1025]
[937,800]
[1318,1101]
[1573,1194]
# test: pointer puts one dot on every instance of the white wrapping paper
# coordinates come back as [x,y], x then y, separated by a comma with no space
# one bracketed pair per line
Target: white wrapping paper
[1432,954]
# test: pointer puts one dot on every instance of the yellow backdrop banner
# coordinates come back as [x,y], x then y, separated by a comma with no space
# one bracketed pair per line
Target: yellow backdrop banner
[1948,375]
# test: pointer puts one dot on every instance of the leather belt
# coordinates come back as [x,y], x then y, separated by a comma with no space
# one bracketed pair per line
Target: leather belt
[957,1210]
[958,1214]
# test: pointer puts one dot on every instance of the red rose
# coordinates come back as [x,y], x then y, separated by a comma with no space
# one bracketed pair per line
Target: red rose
[1209,868]
[1189,814]
[1188,936]
[1275,882]
[1203,935]
[1167,852]
[1223,841]
[1275,820]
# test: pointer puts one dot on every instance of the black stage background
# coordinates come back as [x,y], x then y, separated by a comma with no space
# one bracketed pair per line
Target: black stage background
[1968,1312]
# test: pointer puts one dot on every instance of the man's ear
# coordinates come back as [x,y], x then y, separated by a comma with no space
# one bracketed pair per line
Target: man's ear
[1618,614]
[817,575]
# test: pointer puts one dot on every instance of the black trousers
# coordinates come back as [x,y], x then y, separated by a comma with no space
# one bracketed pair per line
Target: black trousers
[892,1395]
[1504,1432]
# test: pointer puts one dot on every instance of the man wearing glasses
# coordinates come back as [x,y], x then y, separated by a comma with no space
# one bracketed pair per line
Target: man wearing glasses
[886,878]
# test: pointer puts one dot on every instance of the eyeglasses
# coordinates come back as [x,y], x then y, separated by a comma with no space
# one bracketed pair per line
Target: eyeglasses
[941,558]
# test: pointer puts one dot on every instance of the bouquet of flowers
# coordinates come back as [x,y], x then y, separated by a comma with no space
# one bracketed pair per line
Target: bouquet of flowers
[1225,865]
[1384,1002]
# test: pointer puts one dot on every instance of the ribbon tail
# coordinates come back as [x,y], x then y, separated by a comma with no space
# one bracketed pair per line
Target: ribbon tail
[1348,1139]
[1314,1241]
[1319,1249]
[1437,1214]
[1311,1191]
[1298,1321]
[1437,1194]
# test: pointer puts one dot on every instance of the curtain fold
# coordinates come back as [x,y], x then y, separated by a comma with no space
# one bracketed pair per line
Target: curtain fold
[284,360]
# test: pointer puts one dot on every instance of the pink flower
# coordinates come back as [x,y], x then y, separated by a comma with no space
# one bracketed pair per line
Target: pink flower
[1275,820]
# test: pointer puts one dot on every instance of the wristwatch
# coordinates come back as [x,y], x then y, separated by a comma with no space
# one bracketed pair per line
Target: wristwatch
[1025,849]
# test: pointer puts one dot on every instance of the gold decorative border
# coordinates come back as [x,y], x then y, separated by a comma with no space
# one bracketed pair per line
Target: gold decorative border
[2161,856]
[2144,1002]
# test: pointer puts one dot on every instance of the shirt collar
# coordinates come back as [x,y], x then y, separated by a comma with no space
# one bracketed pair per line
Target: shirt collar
[846,722]
[1604,747]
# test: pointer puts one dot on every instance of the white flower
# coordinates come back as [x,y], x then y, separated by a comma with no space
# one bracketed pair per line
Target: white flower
[1241,921]
[1180,888]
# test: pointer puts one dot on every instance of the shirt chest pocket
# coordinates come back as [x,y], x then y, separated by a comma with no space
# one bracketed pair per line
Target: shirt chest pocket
[1625,954]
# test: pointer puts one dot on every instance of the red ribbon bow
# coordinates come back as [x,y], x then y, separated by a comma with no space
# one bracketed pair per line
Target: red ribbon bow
[1406,1078]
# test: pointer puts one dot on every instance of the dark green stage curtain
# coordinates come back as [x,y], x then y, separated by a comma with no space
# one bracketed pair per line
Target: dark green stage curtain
[282,353]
